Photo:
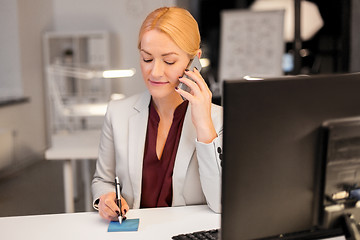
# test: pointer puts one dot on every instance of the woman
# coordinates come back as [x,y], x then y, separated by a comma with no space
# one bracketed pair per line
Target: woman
[165,151]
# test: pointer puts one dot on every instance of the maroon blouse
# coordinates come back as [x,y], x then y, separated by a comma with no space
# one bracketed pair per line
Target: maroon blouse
[156,189]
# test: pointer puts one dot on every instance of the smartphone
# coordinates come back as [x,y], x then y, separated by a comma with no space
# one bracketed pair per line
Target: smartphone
[194,63]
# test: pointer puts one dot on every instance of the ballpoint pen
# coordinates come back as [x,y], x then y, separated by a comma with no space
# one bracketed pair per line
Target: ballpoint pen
[118,198]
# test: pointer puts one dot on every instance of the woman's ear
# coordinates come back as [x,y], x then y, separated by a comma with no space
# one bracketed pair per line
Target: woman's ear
[198,53]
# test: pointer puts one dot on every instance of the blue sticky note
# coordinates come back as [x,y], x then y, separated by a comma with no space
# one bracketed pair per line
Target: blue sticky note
[128,225]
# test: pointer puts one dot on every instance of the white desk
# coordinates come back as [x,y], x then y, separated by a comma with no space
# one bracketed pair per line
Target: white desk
[87,110]
[155,223]
[68,147]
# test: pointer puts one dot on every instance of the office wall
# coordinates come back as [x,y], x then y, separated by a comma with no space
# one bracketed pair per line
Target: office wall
[122,19]
[10,79]
[27,120]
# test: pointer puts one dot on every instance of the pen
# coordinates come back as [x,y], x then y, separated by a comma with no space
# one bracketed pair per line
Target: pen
[118,197]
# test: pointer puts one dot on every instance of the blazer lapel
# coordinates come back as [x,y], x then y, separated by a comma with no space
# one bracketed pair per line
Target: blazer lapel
[184,154]
[137,134]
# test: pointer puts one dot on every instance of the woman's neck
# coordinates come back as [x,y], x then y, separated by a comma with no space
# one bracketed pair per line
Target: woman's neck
[166,106]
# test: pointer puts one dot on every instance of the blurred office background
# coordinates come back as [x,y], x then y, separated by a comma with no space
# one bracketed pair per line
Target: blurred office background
[54,52]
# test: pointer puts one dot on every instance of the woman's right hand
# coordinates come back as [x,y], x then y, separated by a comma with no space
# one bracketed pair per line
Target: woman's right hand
[108,209]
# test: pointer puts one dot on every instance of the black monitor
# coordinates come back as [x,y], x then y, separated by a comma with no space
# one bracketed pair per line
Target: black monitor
[273,170]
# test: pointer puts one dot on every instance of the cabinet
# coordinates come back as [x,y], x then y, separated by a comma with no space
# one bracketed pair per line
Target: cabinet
[73,65]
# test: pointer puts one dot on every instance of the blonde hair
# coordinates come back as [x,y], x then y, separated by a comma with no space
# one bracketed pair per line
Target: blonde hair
[178,24]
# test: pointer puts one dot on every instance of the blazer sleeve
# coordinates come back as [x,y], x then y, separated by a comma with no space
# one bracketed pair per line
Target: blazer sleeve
[103,180]
[209,158]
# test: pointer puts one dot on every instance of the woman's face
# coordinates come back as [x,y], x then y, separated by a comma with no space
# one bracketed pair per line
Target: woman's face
[162,63]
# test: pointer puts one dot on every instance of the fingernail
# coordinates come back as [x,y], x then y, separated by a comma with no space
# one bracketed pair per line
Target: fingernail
[117,212]
[176,88]
[186,70]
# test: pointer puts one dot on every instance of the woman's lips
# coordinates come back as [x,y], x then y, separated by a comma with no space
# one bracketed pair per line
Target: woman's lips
[157,83]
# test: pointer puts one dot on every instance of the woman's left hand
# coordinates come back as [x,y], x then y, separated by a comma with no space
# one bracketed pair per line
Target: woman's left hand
[200,99]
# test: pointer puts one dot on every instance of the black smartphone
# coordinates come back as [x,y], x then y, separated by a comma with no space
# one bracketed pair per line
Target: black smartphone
[194,63]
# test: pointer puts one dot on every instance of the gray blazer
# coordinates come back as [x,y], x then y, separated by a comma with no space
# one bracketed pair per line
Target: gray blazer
[197,169]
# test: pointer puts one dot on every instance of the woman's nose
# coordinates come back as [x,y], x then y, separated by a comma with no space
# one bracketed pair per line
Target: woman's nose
[158,69]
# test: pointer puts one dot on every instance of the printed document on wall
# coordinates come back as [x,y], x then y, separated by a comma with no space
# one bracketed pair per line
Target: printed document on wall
[251,44]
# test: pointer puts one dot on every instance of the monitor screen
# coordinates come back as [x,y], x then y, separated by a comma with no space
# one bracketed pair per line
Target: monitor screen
[272,168]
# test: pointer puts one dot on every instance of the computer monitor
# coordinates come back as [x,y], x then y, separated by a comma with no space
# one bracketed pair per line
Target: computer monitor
[342,179]
[273,170]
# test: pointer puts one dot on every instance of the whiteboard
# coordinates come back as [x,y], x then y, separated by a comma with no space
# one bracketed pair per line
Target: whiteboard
[251,44]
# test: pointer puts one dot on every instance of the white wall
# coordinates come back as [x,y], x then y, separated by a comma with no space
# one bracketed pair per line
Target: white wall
[122,19]
[27,120]
[10,76]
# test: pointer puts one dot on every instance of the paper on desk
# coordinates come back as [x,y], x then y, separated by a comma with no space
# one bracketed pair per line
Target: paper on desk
[128,225]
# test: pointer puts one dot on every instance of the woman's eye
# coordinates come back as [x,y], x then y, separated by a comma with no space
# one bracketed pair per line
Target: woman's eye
[147,60]
[169,63]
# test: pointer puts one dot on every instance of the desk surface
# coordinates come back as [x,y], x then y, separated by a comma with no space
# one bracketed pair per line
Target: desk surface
[87,110]
[155,223]
[74,145]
